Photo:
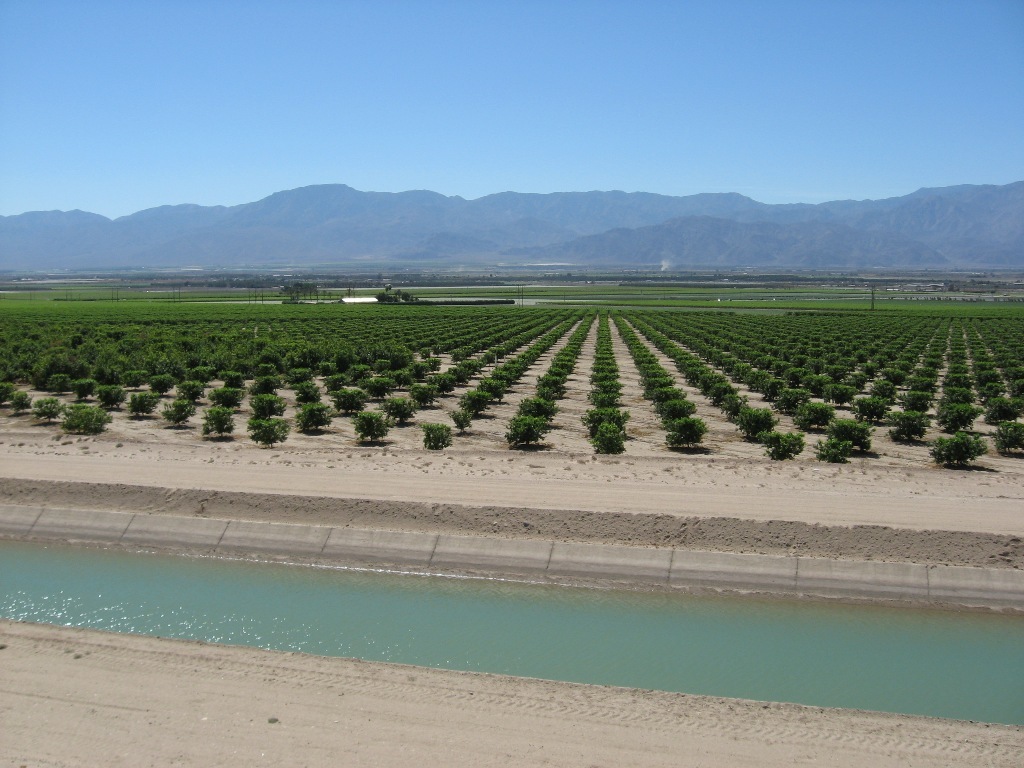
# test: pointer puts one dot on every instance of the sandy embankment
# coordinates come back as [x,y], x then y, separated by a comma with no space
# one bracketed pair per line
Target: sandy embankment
[83,698]
[716,534]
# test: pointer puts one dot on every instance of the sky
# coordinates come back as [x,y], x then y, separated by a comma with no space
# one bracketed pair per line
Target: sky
[114,107]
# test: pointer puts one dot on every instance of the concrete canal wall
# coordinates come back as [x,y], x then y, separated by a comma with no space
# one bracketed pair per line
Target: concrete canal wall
[553,560]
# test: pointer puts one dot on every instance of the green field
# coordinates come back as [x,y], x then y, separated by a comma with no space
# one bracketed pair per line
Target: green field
[781,297]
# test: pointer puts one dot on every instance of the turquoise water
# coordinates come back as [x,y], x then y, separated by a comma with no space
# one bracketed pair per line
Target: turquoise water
[940,663]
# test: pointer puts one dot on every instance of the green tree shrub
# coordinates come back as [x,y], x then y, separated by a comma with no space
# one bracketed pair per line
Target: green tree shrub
[957,396]
[603,399]
[419,370]
[20,401]
[436,437]
[403,377]
[313,416]
[677,408]
[916,400]
[263,370]
[494,387]
[814,415]
[349,401]
[595,417]
[335,382]
[538,406]
[609,439]
[227,397]
[474,401]
[233,379]
[191,390]
[81,419]
[891,375]
[445,383]
[686,432]
[873,409]
[47,408]
[178,411]
[833,451]
[84,388]
[264,406]
[298,376]
[773,387]
[134,379]
[423,394]
[885,390]
[663,394]
[782,445]
[400,409]
[1000,409]
[371,425]
[7,390]
[526,430]
[789,400]
[816,383]
[752,422]
[111,396]
[218,420]
[857,433]
[908,425]
[957,417]
[1009,436]
[858,380]
[306,392]
[840,394]
[142,403]
[267,432]
[921,384]
[204,374]
[959,450]
[990,391]
[462,419]
[358,373]
[58,383]
[731,406]
[161,383]
[461,373]
[379,387]
[550,387]
[264,385]
[720,392]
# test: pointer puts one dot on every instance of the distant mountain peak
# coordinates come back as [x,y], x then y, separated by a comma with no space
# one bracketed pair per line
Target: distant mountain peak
[964,225]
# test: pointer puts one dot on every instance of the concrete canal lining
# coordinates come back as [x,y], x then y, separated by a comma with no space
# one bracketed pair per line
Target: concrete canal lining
[958,585]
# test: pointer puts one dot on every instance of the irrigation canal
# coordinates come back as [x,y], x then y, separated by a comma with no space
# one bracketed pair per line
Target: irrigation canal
[966,665]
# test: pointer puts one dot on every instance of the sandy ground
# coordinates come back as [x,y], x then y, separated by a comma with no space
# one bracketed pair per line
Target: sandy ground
[71,697]
[83,698]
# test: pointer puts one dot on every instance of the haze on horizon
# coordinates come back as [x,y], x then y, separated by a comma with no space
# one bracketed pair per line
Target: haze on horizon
[114,107]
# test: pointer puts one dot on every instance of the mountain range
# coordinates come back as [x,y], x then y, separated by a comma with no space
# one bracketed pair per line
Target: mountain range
[333,225]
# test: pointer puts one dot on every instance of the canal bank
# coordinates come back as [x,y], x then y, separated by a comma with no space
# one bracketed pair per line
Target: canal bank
[531,559]
[105,698]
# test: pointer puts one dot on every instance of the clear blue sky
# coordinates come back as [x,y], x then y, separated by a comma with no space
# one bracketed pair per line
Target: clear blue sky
[113,107]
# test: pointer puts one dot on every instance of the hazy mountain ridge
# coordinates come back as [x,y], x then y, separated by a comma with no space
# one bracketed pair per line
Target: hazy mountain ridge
[960,226]
[704,241]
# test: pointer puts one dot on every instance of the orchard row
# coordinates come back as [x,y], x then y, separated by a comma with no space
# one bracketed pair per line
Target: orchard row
[905,372]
